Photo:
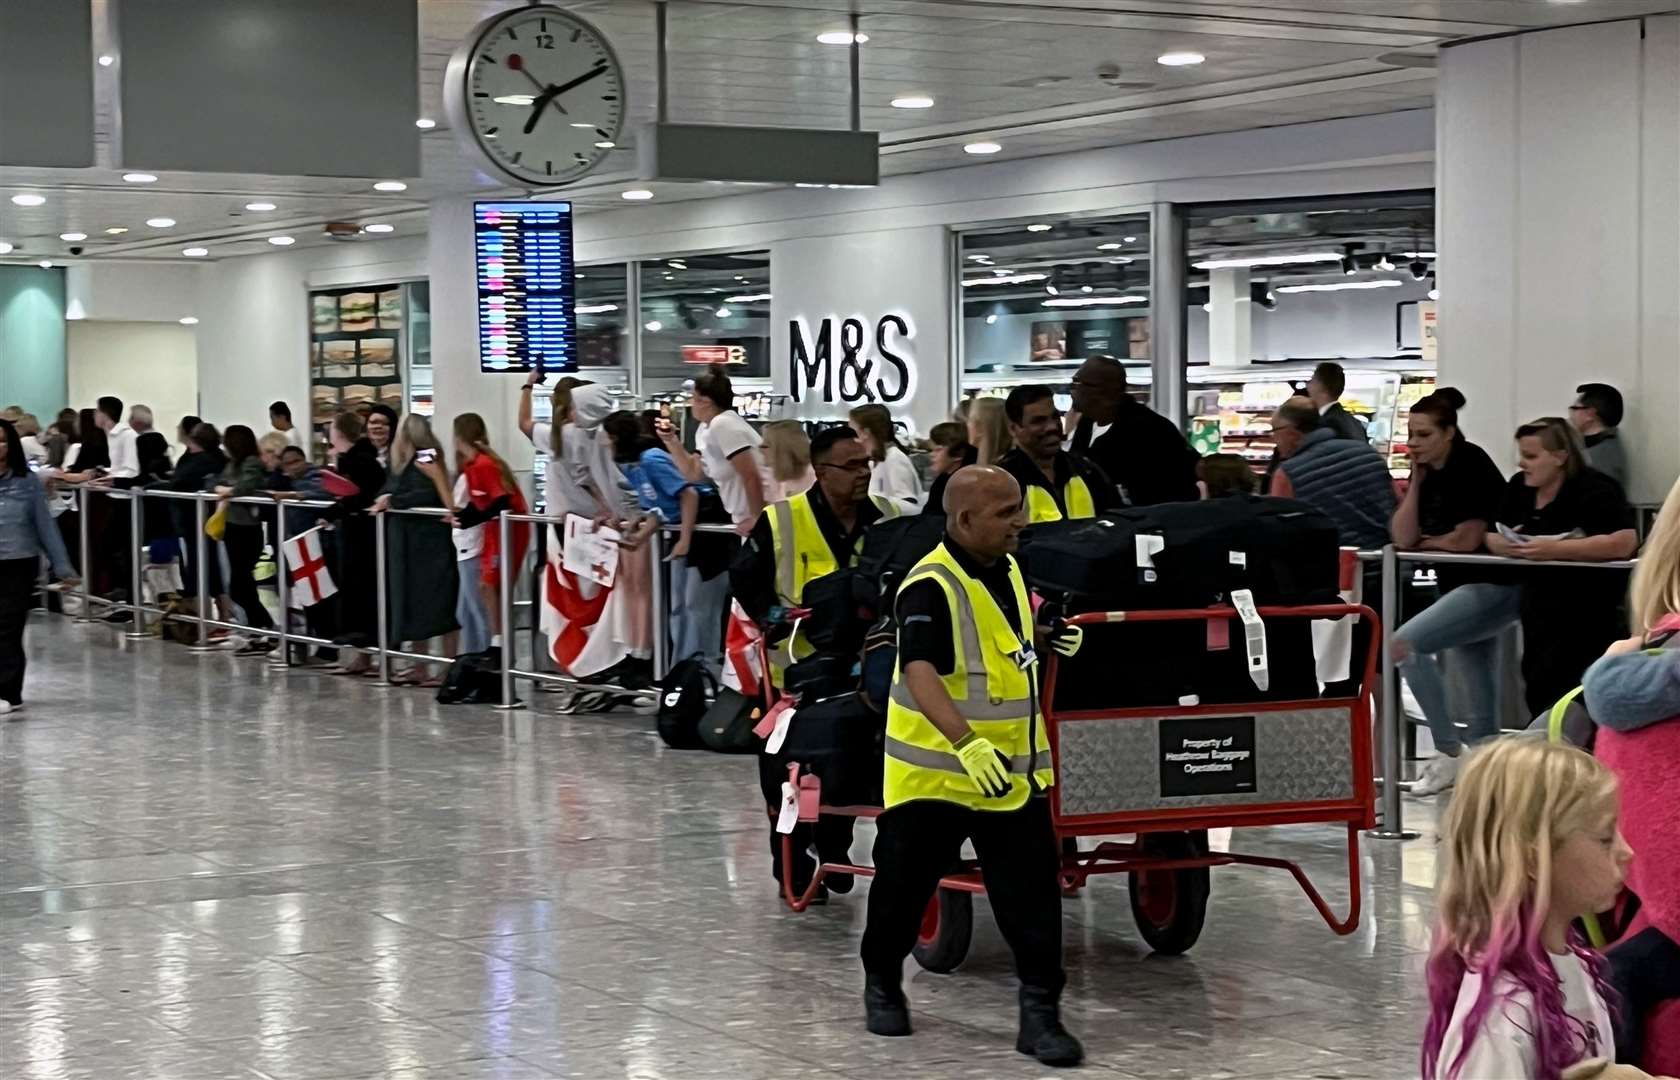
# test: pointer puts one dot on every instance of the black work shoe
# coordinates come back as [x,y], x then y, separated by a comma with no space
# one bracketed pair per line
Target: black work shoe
[1042,1034]
[889,1013]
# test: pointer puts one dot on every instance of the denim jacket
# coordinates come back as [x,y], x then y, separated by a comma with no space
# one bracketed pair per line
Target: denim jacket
[27,530]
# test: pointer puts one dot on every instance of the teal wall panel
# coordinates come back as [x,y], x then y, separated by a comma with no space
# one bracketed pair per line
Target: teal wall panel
[32,349]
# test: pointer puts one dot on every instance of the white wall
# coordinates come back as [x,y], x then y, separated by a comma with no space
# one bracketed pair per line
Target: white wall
[253,331]
[132,292]
[1559,229]
[144,363]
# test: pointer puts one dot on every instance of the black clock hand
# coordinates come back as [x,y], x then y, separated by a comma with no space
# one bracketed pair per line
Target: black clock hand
[541,101]
[599,69]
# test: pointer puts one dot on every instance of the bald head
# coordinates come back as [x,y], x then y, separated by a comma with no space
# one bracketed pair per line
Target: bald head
[983,511]
[1098,388]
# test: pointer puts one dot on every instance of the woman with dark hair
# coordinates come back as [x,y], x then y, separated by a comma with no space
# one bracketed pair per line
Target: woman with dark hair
[243,475]
[357,461]
[381,428]
[199,469]
[421,581]
[730,451]
[894,478]
[1558,508]
[1223,475]
[26,534]
[951,451]
[1451,502]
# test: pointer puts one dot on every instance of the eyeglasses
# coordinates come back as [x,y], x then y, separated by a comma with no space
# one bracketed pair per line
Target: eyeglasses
[861,465]
[1578,407]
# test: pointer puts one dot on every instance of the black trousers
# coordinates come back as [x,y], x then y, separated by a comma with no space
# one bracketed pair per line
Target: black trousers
[17,595]
[917,842]
[831,836]
[1645,972]
[244,547]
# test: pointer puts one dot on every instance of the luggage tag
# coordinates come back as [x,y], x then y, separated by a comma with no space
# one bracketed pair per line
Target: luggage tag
[767,725]
[789,816]
[1148,546]
[1024,657]
[778,733]
[810,797]
[1254,634]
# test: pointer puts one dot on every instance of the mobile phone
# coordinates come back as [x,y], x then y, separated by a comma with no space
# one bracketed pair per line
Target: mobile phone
[425,457]
[664,410]
[538,366]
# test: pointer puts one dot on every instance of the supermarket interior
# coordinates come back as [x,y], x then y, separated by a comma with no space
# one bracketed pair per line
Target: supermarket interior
[217,860]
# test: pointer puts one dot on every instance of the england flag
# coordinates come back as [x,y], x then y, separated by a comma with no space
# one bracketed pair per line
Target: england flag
[306,569]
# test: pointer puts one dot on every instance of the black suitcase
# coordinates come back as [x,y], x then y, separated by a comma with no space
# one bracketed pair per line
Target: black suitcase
[840,742]
[821,675]
[836,623]
[890,549]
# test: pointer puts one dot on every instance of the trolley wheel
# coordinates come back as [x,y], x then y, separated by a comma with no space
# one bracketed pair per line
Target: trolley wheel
[947,927]
[1170,906]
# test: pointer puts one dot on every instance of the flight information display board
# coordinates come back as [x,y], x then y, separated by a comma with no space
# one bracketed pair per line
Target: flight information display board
[526,285]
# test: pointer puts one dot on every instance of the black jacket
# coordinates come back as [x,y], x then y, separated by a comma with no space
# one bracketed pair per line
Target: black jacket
[1144,453]
[194,472]
[1344,424]
[359,465]
[752,577]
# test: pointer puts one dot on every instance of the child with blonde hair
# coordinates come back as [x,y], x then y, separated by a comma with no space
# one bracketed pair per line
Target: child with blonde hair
[1530,844]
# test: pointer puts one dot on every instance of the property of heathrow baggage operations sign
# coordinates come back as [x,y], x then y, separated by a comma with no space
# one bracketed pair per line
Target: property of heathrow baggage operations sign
[1207,755]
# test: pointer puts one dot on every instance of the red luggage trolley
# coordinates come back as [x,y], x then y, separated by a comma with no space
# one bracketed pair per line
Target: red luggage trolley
[1165,775]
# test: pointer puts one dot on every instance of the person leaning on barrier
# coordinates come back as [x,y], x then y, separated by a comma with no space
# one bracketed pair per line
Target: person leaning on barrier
[421,580]
[356,459]
[1058,485]
[794,543]
[968,758]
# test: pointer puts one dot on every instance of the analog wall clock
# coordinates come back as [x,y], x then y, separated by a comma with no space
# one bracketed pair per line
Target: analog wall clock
[537,94]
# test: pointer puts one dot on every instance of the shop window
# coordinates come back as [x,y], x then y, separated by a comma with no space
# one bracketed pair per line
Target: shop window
[701,309]
[603,320]
[1039,297]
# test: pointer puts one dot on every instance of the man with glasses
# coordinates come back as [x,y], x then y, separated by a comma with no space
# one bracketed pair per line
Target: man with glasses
[1140,450]
[809,536]
[1597,415]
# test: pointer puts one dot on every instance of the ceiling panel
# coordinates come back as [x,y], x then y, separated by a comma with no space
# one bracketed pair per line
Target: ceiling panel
[1025,68]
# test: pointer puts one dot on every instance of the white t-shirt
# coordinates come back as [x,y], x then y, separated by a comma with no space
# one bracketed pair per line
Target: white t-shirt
[469,543]
[1504,1049]
[298,437]
[895,479]
[125,456]
[718,441]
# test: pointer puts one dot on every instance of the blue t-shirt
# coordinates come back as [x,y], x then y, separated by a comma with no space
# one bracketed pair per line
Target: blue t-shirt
[658,482]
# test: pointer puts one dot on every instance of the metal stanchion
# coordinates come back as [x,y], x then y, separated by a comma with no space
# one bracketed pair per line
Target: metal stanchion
[661,604]
[1389,701]
[382,596]
[137,564]
[282,654]
[201,571]
[84,503]
[504,600]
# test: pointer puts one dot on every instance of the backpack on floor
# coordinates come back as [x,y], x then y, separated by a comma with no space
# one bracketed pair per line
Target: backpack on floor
[727,726]
[473,679]
[685,694]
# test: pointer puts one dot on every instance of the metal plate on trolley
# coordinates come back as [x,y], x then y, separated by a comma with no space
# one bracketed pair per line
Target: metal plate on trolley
[1175,760]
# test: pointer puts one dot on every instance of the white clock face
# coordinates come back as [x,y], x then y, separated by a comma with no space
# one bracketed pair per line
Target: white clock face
[543,95]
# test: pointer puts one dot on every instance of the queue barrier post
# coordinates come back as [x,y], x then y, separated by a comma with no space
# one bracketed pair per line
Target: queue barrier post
[661,605]
[504,601]
[137,563]
[84,505]
[282,655]
[381,599]
[1392,827]
[201,571]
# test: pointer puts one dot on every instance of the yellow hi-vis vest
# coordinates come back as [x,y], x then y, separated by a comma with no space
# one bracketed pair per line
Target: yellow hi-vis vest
[989,688]
[802,556]
[1041,505]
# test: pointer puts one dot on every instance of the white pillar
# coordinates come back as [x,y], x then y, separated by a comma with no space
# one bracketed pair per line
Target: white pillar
[1229,317]
[458,385]
[1558,187]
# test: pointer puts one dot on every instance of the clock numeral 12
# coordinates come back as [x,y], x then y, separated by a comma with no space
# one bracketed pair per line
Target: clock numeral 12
[545,41]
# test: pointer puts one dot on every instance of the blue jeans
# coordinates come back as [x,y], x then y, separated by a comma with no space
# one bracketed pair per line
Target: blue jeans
[469,608]
[696,613]
[1465,624]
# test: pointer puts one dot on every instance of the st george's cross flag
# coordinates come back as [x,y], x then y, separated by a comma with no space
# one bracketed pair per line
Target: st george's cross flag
[306,569]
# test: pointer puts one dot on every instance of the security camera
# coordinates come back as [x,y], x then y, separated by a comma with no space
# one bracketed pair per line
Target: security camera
[1108,71]
[77,250]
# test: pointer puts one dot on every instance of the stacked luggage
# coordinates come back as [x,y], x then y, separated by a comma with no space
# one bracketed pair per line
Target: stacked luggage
[1184,555]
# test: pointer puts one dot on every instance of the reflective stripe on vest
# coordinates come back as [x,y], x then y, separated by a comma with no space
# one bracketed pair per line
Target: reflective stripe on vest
[802,555]
[989,689]
[1041,505]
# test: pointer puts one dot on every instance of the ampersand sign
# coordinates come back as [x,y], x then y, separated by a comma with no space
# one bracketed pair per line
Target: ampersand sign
[851,344]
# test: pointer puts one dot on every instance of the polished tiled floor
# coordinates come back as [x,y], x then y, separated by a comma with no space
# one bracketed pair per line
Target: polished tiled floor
[212,868]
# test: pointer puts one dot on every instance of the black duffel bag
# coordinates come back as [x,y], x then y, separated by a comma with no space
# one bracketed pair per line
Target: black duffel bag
[836,622]
[890,549]
[821,675]
[839,741]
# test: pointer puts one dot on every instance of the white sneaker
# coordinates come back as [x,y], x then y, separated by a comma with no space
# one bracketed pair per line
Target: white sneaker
[1437,776]
[8,709]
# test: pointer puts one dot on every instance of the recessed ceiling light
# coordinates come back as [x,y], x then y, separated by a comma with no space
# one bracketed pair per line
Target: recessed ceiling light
[195,252]
[45,264]
[28,200]
[259,207]
[107,60]
[1130,239]
[188,320]
[1120,260]
[425,123]
[840,37]
[982,148]
[1038,227]
[722,313]
[1086,289]
[139,178]
[5,247]
[605,144]
[582,124]
[72,237]
[636,195]
[161,222]
[990,319]
[282,241]
[653,327]
[912,101]
[1180,59]
[390,185]
[379,227]
[115,230]
[1108,247]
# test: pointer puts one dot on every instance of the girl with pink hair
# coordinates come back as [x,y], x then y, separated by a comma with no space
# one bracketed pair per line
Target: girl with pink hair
[1530,844]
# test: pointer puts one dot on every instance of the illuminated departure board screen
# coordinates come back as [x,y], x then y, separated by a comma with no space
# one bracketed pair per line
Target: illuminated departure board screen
[525,285]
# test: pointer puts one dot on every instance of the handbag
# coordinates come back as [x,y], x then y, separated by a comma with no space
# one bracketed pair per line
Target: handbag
[727,726]
[216,527]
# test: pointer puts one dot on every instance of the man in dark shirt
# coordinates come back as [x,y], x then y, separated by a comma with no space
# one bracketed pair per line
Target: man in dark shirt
[1597,415]
[1055,484]
[1143,452]
[1325,389]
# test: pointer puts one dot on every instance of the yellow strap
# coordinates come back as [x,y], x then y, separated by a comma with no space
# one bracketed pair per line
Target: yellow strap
[1554,723]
